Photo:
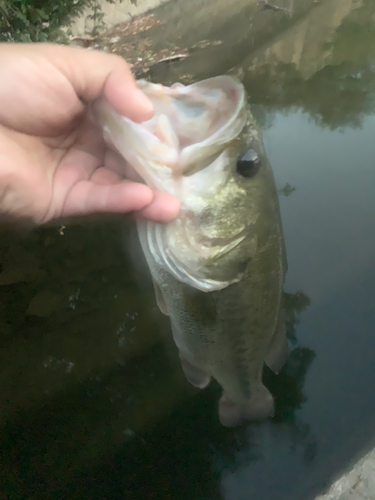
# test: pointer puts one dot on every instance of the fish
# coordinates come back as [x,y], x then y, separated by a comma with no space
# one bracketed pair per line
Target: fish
[218,269]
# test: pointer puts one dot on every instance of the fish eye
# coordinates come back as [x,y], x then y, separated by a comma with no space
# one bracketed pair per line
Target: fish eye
[248,164]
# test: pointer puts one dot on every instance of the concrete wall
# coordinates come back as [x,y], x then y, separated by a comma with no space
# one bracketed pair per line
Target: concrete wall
[117,12]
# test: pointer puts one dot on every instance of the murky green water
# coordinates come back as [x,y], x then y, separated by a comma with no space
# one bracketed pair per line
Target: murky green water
[93,401]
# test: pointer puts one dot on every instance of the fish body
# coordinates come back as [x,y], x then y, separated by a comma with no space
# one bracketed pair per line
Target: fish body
[219,268]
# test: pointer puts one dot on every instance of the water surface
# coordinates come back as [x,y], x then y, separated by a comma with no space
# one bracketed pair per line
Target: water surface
[93,401]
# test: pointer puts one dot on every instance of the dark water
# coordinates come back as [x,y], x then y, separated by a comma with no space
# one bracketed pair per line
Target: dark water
[93,402]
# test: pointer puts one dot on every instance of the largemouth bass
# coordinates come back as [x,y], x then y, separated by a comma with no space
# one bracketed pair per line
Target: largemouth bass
[218,269]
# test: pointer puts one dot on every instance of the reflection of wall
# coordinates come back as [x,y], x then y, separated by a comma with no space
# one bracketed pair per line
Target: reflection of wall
[303,44]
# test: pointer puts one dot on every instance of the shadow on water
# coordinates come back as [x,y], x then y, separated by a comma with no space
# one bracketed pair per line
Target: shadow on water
[93,401]
[139,431]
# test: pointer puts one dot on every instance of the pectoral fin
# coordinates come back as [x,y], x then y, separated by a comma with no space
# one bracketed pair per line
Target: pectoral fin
[160,299]
[277,353]
[196,376]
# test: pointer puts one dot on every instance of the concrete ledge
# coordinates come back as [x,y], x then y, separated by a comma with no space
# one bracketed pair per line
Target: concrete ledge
[358,484]
[117,12]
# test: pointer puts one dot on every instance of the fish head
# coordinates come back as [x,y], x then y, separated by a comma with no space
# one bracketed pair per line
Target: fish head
[202,146]
[222,208]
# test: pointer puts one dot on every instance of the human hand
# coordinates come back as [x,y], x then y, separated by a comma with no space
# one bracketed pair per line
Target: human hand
[53,158]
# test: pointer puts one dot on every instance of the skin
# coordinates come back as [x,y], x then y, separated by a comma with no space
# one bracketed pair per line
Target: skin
[53,158]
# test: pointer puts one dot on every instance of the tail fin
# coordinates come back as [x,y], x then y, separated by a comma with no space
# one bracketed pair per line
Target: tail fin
[259,407]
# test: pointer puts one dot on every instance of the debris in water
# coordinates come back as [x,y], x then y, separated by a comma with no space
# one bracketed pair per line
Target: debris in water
[287,189]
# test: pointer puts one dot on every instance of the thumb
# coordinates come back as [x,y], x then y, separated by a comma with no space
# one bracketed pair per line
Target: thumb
[93,72]
[90,74]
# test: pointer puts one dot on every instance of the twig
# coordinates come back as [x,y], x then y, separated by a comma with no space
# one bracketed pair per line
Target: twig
[275,8]
[172,58]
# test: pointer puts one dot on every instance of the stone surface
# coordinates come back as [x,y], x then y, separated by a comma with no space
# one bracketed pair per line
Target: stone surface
[357,484]
[116,12]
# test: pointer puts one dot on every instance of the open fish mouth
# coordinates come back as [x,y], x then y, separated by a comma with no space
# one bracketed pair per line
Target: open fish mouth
[192,124]
[191,119]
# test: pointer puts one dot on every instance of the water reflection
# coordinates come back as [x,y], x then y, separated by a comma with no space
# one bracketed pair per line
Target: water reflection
[89,393]
[93,401]
[324,66]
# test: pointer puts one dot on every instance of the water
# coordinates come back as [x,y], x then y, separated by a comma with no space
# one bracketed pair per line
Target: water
[93,402]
